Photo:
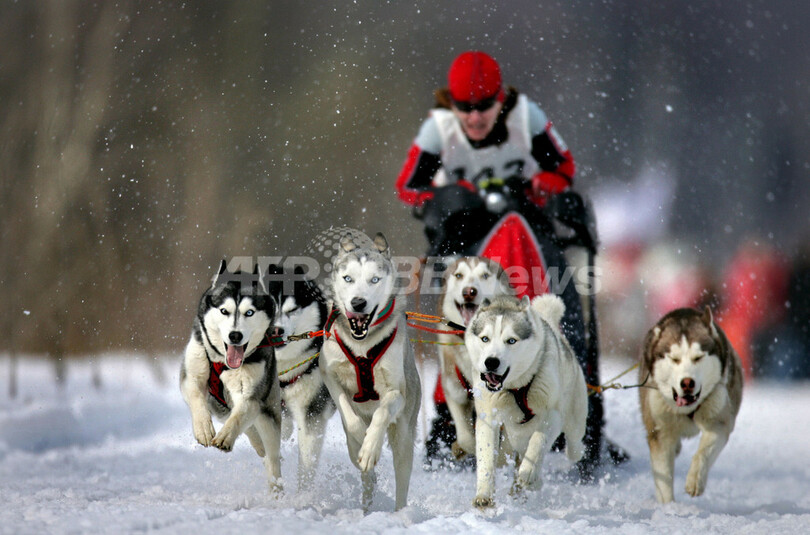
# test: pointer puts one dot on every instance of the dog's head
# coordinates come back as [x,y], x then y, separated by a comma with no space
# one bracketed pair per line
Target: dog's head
[506,340]
[467,282]
[682,353]
[362,282]
[300,305]
[236,312]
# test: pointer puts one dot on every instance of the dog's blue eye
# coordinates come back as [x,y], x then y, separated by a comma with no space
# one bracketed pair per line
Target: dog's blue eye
[458,275]
[485,276]
[224,311]
[248,313]
[485,339]
[375,280]
[511,341]
[347,278]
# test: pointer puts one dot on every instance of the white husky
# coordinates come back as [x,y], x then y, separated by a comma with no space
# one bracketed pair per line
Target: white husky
[368,363]
[467,282]
[530,382]
[229,369]
[696,387]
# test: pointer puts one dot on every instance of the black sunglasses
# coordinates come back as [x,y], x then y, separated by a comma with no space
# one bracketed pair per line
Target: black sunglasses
[481,105]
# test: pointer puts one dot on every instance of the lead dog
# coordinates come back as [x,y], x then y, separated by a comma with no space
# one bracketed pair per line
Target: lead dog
[229,369]
[369,365]
[530,382]
[695,381]
[305,399]
[467,282]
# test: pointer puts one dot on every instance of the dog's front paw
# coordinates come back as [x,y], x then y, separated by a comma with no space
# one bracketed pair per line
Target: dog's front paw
[483,502]
[526,475]
[225,439]
[203,430]
[370,451]
[696,480]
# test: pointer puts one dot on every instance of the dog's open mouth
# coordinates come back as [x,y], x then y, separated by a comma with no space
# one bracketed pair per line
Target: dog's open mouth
[685,400]
[494,381]
[467,311]
[234,355]
[359,323]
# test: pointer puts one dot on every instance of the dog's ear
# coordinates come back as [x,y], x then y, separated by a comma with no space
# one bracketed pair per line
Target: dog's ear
[708,320]
[381,243]
[347,244]
[223,267]
[525,302]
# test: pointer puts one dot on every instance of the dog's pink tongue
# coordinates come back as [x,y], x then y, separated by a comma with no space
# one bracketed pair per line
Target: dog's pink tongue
[681,401]
[234,356]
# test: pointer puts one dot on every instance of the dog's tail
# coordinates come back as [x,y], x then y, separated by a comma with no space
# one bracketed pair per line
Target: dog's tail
[550,307]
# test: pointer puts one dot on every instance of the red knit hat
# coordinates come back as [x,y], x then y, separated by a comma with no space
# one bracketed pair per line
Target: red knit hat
[474,76]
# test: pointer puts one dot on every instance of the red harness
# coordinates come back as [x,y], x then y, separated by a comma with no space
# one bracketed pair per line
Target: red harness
[521,396]
[364,367]
[215,386]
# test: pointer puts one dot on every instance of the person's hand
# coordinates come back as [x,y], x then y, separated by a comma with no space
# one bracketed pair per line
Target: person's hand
[545,184]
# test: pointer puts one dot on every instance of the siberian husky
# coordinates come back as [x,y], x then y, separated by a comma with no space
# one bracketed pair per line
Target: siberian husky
[530,382]
[368,363]
[695,386]
[229,369]
[467,282]
[304,396]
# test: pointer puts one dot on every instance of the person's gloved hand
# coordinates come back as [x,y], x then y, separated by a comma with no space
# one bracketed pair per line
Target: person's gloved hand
[545,184]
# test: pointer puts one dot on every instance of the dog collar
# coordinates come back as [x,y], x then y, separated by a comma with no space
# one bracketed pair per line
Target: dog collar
[364,367]
[521,396]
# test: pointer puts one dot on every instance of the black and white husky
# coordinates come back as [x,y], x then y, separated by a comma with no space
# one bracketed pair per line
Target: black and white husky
[304,396]
[368,363]
[695,386]
[529,384]
[229,369]
[468,281]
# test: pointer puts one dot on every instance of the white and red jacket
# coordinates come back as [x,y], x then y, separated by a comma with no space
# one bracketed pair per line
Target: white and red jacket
[523,143]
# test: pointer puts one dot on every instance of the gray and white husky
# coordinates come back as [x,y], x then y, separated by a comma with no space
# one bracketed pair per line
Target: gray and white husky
[529,383]
[467,282]
[229,369]
[695,386]
[368,363]
[305,398]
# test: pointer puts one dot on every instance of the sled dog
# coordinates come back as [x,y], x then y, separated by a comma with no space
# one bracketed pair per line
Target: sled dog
[368,363]
[229,368]
[304,397]
[467,282]
[695,386]
[529,382]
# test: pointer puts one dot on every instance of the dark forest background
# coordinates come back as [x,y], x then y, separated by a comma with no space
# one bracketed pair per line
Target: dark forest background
[141,142]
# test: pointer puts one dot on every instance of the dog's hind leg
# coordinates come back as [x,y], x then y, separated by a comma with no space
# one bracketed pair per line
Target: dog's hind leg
[401,440]
[310,443]
[255,440]
[268,427]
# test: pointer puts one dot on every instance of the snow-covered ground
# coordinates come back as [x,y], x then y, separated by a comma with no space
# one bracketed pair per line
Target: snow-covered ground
[121,459]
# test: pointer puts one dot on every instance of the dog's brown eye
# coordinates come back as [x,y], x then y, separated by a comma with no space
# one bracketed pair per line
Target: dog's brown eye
[697,358]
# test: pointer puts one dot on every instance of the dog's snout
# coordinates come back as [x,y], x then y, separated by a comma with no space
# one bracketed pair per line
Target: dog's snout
[469,293]
[358,304]
[687,384]
[492,363]
[235,337]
